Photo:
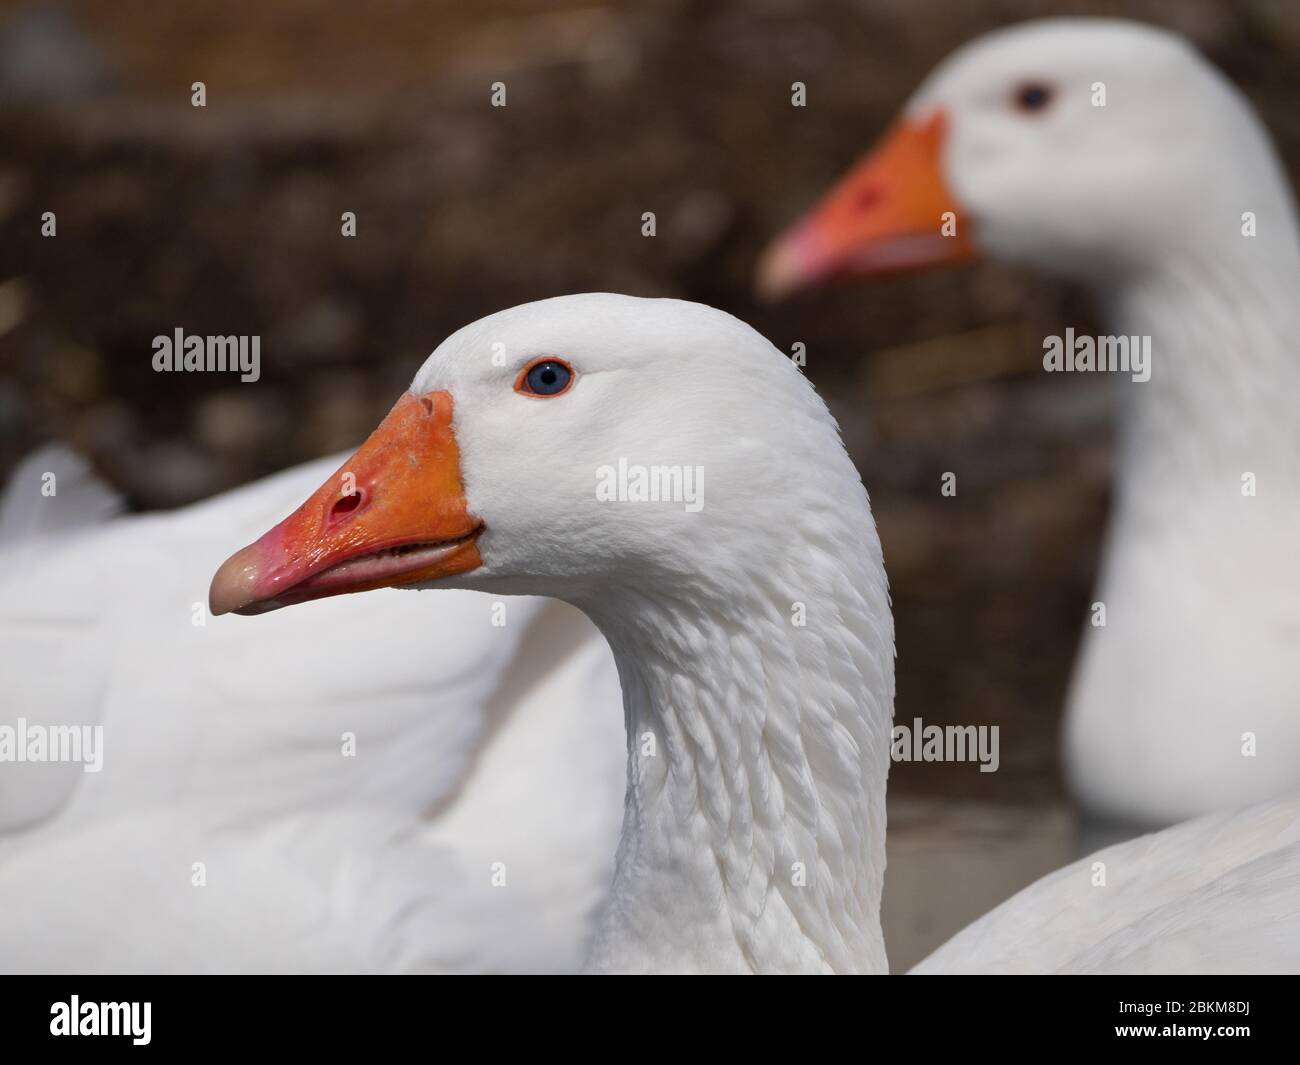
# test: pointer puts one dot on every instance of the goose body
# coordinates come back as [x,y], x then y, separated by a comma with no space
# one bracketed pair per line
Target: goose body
[224,745]
[753,638]
[1213,896]
[1166,198]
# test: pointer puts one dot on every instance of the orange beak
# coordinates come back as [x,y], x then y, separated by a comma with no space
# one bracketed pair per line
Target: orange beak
[891,212]
[395,513]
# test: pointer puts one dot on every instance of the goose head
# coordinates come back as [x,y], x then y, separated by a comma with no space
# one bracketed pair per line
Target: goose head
[569,448]
[664,468]
[1086,148]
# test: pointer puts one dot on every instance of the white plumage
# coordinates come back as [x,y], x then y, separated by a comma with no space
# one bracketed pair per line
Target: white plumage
[1215,895]
[1146,200]
[758,745]
[1112,154]
[223,744]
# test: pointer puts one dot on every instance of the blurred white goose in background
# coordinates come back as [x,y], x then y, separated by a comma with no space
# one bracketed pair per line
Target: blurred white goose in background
[758,748]
[223,744]
[1170,204]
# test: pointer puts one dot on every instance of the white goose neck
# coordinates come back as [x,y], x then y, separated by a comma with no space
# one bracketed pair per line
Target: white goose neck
[758,750]
[1198,569]
[1222,313]
[1224,393]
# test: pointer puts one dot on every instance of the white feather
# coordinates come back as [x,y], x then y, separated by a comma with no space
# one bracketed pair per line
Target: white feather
[222,744]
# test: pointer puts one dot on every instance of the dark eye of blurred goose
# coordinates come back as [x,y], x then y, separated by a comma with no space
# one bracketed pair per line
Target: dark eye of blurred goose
[546,377]
[1033,96]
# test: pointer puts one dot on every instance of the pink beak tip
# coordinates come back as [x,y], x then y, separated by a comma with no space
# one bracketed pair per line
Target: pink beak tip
[234,586]
[788,264]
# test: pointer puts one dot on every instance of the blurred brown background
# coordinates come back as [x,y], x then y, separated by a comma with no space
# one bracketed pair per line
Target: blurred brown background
[226,220]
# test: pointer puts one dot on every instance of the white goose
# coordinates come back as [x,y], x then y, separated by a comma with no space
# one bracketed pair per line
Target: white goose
[224,744]
[758,747]
[1150,201]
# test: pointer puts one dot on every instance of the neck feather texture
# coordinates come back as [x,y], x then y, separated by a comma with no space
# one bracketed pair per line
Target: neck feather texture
[758,749]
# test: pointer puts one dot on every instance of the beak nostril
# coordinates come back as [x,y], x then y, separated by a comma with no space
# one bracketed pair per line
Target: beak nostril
[427,404]
[867,198]
[345,505]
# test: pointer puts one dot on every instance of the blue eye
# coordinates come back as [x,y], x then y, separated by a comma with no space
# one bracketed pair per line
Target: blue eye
[1033,96]
[546,377]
